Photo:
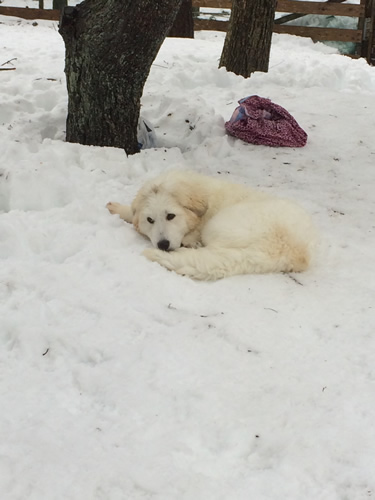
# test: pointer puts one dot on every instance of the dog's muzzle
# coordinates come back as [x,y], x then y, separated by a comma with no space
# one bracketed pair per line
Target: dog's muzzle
[163,245]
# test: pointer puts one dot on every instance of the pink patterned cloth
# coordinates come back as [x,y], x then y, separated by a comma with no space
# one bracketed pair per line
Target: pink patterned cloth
[259,121]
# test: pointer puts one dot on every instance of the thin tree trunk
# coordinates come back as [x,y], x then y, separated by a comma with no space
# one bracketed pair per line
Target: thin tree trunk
[183,26]
[248,41]
[110,46]
[59,4]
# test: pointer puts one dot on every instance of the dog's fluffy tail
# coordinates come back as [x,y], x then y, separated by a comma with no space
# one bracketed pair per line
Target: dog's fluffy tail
[211,263]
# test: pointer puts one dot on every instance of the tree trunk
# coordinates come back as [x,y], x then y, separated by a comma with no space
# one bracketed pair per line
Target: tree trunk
[110,46]
[248,42]
[183,26]
[59,4]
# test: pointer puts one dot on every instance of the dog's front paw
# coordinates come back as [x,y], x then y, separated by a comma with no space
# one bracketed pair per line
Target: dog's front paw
[124,211]
[153,254]
[113,207]
[165,259]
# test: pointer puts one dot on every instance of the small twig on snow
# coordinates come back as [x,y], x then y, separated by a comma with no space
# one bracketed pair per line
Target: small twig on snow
[10,60]
[294,279]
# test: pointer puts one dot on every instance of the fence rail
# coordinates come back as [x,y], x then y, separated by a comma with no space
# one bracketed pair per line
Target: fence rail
[363,36]
[305,7]
[26,13]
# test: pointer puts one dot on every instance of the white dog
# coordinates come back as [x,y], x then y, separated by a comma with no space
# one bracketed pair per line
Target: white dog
[207,228]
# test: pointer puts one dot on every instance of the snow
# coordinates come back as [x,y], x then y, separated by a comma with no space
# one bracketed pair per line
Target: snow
[121,380]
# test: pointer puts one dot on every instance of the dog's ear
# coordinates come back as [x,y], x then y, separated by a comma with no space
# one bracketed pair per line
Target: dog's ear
[136,221]
[139,201]
[192,197]
[135,210]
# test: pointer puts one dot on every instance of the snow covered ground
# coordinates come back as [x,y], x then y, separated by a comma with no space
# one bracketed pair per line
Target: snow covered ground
[120,380]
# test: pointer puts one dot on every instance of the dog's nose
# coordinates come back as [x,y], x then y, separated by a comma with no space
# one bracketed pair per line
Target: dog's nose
[163,245]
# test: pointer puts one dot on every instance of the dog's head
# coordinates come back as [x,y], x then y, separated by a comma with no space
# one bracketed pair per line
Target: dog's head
[167,210]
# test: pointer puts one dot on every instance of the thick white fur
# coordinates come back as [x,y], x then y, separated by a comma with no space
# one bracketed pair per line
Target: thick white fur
[220,229]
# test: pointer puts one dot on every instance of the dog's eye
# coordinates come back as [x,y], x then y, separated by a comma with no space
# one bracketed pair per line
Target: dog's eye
[170,216]
[151,221]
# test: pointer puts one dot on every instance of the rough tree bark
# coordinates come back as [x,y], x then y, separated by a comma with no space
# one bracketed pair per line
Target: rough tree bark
[248,42]
[59,4]
[183,26]
[110,46]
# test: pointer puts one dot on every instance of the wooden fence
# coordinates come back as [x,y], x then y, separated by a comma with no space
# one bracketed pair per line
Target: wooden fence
[363,36]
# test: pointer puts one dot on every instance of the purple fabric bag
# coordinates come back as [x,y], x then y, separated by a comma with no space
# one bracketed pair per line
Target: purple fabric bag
[259,121]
